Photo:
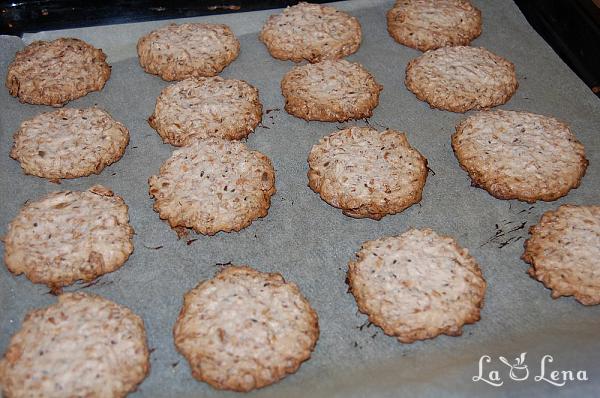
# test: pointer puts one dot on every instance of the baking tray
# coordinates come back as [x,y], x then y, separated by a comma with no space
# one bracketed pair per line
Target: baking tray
[310,242]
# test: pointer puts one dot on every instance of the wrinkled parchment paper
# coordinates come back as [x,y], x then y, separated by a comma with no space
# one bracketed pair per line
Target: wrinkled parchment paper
[310,242]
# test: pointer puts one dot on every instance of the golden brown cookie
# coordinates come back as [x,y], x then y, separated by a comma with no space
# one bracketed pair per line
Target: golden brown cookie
[56,72]
[176,52]
[367,173]
[519,155]
[213,185]
[311,32]
[330,91]
[430,24]
[69,143]
[200,108]
[245,329]
[82,346]
[563,251]
[461,78]
[69,236]
[417,285]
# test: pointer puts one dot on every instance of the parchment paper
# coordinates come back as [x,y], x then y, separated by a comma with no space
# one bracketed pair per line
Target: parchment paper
[310,242]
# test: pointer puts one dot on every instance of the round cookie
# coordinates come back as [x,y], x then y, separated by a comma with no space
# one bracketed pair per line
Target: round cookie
[56,72]
[245,329]
[430,24]
[519,155]
[69,236]
[69,143]
[367,173]
[330,91]
[206,107]
[311,32]
[213,185]
[417,285]
[563,251]
[82,346]
[176,52]
[460,78]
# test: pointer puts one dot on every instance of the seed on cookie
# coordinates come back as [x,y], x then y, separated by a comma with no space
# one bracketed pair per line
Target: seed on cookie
[330,91]
[519,155]
[82,346]
[56,72]
[245,329]
[213,185]
[367,173]
[69,236]
[417,285]
[461,78]
[199,108]
[311,32]
[69,143]
[563,252]
[176,52]
[430,24]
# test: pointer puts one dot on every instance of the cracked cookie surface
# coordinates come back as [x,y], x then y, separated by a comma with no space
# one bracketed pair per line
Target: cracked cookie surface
[56,72]
[245,329]
[311,32]
[69,236]
[176,52]
[330,91]
[461,78]
[520,155]
[200,108]
[417,285]
[213,185]
[69,143]
[82,346]
[430,24]
[563,252]
[367,173]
